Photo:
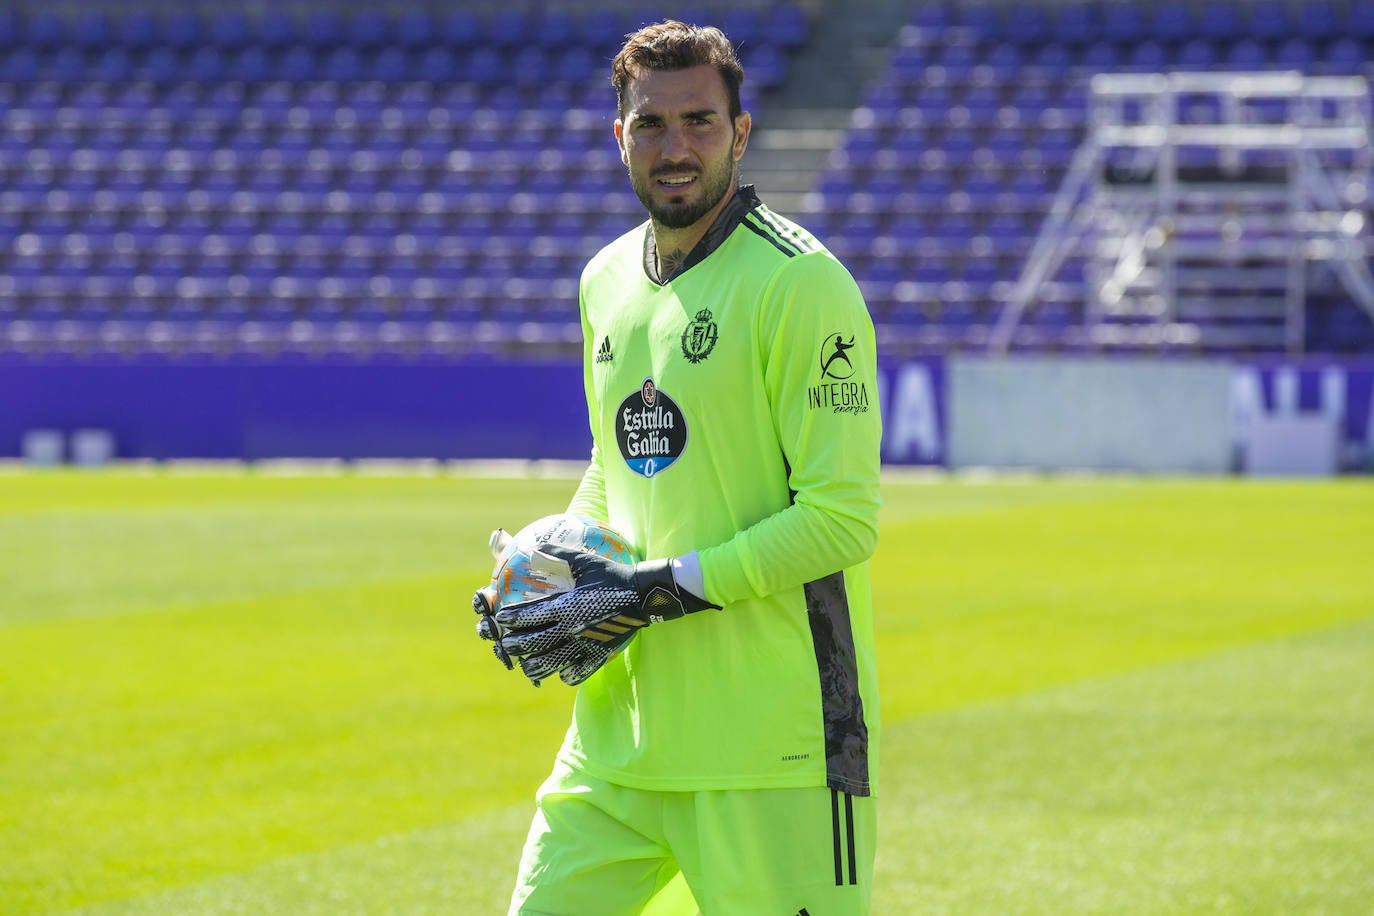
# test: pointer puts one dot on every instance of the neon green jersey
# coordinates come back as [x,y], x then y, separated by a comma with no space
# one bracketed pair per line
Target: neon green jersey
[734,411]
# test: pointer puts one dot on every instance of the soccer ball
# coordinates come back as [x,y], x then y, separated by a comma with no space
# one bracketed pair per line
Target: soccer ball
[523,574]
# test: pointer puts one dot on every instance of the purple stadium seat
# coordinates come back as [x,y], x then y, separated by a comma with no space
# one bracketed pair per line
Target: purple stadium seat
[1219,20]
[1075,22]
[1147,57]
[250,64]
[438,64]
[66,64]
[11,29]
[180,29]
[276,27]
[206,64]
[1268,20]
[979,16]
[295,63]
[531,66]
[508,27]
[766,65]
[1196,54]
[343,64]
[1171,21]
[390,64]
[1122,21]
[933,101]
[1246,54]
[414,27]
[20,65]
[1052,61]
[744,26]
[932,16]
[787,25]
[1319,19]
[1004,61]
[1343,57]
[1024,23]
[44,30]
[1295,53]
[958,60]
[1100,57]
[323,27]
[1359,21]
[1005,143]
[229,29]
[368,28]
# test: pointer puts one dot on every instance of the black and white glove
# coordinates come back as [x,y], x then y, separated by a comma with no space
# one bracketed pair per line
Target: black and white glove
[574,633]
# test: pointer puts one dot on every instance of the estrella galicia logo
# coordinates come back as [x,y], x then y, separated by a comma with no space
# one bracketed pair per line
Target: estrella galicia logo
[699,337]
[650,430]
[835,357]
[838,391]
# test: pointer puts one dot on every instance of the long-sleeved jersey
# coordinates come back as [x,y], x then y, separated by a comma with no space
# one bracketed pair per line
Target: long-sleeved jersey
[733,410]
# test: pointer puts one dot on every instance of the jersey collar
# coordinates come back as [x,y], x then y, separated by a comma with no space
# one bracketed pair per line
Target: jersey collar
[744,200]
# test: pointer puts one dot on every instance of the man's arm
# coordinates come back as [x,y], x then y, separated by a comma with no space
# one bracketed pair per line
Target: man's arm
[820,372]
[590,498]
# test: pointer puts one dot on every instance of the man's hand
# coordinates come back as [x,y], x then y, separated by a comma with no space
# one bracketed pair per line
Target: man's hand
[573,633]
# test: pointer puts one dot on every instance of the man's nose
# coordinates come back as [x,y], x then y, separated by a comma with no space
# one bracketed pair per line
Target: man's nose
[675,144]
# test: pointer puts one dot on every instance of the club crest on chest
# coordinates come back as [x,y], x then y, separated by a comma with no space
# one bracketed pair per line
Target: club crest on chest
[699,336]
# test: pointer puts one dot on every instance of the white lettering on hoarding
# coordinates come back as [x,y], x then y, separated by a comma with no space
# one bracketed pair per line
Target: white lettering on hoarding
[913,427]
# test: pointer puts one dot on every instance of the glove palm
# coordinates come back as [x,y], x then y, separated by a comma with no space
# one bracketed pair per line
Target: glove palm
[575,632]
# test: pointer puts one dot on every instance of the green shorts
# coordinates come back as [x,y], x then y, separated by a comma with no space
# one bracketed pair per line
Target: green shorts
[598,849]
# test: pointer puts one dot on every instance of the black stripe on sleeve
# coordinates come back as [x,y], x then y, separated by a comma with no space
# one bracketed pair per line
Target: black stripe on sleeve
[837,663]
[786,248]
[770,219]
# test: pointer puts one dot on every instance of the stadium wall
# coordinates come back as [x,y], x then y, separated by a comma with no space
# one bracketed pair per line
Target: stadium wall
[1041,412]
[1098,414]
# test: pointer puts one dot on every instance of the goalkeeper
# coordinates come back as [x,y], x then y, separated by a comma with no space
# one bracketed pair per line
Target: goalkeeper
[725,731]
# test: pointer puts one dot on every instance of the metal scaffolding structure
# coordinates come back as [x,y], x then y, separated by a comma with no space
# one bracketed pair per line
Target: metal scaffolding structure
[1196,204]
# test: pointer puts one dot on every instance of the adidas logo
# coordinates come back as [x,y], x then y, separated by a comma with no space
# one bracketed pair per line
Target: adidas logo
[604,354]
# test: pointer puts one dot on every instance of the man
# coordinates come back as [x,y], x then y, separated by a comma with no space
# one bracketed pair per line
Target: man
[726,723]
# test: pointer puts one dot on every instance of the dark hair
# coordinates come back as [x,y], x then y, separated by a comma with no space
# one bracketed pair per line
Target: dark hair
[673,45]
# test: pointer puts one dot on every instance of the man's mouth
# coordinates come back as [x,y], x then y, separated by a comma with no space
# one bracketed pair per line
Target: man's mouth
[676,181]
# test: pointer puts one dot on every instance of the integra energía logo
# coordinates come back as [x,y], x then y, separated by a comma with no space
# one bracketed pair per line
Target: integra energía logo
[837,389]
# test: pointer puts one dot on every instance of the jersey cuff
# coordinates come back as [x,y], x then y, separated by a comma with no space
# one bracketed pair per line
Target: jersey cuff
[687,574]
[724,569]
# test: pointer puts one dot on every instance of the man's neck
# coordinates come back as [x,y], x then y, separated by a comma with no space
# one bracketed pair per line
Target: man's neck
[671,246]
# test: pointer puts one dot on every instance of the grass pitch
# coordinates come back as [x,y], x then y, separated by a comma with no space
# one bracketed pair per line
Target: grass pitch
[246,693]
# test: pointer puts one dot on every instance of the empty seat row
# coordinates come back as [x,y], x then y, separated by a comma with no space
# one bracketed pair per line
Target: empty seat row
[1084,21]
[510,26]
[526,66]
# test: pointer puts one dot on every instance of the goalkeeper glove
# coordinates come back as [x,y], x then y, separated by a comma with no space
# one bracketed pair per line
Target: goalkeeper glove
[574,633]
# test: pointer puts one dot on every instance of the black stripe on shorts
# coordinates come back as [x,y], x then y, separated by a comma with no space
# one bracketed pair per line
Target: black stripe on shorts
[843,839]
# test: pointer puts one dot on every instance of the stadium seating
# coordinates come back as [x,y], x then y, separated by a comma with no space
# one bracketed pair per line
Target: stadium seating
[969,132]
[432,174]
[218,177]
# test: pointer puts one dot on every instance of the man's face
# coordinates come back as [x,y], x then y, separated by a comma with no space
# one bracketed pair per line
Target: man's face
[678,141]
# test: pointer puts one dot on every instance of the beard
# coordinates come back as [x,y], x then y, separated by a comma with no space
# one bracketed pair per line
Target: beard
[715,184]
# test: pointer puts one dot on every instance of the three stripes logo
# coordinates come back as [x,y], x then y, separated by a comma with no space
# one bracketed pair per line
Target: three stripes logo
[842,826]
[604,354]
[616,627]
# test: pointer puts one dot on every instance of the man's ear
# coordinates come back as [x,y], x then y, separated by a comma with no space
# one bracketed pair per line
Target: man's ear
[742,126]
[620,141]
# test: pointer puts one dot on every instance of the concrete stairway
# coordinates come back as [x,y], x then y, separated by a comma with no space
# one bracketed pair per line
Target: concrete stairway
[799,124]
